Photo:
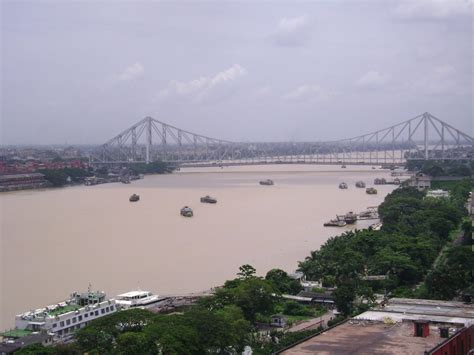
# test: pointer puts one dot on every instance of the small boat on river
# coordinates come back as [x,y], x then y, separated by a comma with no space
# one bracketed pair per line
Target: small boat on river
[208,199]
[343,185]
[186,211]
[360,184]
[267,182]
[134,198]
[371,191]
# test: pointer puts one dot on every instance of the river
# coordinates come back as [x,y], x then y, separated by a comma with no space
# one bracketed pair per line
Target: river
[57,241]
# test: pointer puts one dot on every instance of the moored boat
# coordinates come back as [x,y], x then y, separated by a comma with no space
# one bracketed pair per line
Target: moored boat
[371,191]
[380,181]
[267,182]
[343,185]
[137,298]
[350,218]
[208,199]
[335,223]
[134,198]
[360,184]
[186,211]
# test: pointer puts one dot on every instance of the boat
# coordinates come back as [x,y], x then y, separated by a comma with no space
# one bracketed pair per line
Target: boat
[186,211]
[335,223]
[350,218]
[380,181]
[343,166]
[63,318]
[267,182]
[371,191]
[343,185]
[137,298]
[360,184]
[373,168]
[134,198]
[208,199]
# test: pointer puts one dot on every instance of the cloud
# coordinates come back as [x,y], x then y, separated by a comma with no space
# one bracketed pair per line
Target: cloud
[372,80]
[262,91]
[202,87]
[292,31]
[441,80]
[133,71]
[432,9]
[308,93]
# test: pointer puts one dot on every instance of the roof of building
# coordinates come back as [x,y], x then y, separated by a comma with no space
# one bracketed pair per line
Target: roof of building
[11,347]
[367,338]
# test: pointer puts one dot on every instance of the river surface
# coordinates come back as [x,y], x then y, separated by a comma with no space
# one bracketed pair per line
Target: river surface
[57,241]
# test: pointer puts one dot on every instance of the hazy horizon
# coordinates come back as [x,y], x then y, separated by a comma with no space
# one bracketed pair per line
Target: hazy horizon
[81,72]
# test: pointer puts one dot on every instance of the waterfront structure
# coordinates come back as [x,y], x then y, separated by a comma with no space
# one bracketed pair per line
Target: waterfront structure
[22,182]
[13,343]
[424,137]
[64,318]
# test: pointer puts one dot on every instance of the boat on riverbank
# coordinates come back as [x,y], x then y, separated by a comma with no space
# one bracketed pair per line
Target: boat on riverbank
[208,199]
[360,184]
[186,211]
[64,318]
[335,223]
[136,298]
[350,217]
[134,198]
[343,186]
[267,182]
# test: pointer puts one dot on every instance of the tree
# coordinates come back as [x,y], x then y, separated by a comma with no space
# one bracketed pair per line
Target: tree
[282,282]
[246,271]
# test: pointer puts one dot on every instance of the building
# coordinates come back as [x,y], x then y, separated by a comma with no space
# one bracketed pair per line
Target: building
[22,181]
[459,343]
[12,344]
[437,193]
[62,319]
[278,320]
[420,181]
[401,326]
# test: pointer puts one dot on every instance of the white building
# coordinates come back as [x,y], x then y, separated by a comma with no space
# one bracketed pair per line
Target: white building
[437,193]
[64,318]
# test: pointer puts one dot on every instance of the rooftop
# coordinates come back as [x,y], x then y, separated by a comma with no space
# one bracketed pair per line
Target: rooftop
[367,338]
[16,333]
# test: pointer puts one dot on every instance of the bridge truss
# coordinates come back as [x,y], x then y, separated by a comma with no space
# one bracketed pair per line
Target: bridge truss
[422,137]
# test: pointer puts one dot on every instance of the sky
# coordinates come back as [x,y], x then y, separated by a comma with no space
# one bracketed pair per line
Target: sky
[80,72]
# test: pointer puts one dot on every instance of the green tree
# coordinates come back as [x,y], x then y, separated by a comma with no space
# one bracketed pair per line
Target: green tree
[246,271]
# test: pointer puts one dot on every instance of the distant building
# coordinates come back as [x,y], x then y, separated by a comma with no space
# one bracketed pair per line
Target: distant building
[437,193]
[22,181]
[420,181]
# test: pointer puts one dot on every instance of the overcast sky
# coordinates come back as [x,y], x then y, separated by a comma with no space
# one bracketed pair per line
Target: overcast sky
[82,71]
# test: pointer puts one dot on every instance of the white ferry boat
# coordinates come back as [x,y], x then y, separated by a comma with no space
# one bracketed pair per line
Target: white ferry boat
[64,318]
[137,298]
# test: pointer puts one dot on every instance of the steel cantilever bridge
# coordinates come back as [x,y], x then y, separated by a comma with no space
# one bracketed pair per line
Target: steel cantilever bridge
[422,137]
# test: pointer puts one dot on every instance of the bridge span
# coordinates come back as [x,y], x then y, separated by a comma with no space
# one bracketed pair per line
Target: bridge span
[422,137]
